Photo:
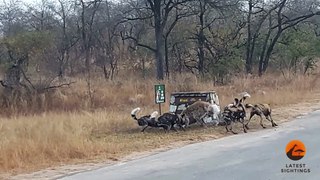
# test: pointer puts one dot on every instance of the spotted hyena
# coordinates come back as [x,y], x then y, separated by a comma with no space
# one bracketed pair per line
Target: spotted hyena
[196,112]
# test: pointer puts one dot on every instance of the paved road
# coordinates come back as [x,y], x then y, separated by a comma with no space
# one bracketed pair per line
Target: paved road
[255,155]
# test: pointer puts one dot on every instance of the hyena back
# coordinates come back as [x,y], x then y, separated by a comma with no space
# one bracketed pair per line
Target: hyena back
[196,111]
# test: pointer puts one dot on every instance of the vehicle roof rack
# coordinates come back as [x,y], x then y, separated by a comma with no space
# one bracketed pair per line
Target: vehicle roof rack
[192,92]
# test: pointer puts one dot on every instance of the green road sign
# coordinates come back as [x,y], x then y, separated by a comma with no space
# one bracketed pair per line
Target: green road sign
[160,93]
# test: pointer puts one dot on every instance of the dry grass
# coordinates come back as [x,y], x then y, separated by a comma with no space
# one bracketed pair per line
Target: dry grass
[74,134]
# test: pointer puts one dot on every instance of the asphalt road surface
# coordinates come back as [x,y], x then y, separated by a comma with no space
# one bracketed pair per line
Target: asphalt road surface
[255,155]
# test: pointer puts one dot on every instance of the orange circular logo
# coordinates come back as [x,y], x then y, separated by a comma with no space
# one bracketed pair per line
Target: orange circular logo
[295,150]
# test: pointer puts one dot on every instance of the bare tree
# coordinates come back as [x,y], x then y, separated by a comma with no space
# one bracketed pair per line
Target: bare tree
[158,13]
[65,37]
[283,22]
[107,39]
[216,32]
[11,17]
[268,20]
[88,12]
[40,17]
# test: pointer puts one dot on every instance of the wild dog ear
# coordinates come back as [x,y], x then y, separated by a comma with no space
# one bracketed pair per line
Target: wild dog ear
[236,101]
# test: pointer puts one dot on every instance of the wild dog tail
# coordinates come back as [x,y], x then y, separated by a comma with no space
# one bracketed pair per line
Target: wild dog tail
[154,114]
[249,106]
[245,95]
[134,113]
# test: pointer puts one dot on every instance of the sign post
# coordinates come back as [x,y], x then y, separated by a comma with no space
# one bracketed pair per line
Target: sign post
[160,95]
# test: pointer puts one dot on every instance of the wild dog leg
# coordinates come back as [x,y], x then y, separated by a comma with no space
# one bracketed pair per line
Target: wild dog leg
[243,126]
[165,127]
[231,129]
[203,124]
[251,115]
[227,127]
[181,127]
[271,120]
[144,128]
[261,123]
[228,123]
[173,128]
[244,129]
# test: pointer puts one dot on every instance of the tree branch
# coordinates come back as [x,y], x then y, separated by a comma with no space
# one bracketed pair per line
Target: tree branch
[57,86]
[139,44]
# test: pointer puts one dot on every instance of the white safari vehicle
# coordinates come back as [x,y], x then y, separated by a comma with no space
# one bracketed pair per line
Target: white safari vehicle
[181,100]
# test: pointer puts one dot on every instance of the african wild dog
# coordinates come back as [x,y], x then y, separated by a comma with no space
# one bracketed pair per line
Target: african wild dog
[165,121]
[196,112]
[234,113]
[259,109]
[168,120]
[147,120]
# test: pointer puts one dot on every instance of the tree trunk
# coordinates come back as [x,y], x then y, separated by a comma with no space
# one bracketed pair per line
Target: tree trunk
[159,39]
[273,42]
[166,57]
[269,51]
[201,40]
[264,48]
[143,68]
[105,72]
[249,53]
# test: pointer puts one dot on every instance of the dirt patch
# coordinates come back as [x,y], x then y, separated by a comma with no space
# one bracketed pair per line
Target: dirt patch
[193,135]
[284,114]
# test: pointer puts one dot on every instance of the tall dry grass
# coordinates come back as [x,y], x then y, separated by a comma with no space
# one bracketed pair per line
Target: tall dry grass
[68,131]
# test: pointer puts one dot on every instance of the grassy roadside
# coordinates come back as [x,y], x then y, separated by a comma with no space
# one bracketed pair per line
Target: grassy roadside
[29,143]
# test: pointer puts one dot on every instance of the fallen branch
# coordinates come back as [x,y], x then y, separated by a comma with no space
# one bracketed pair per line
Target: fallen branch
[57,86]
